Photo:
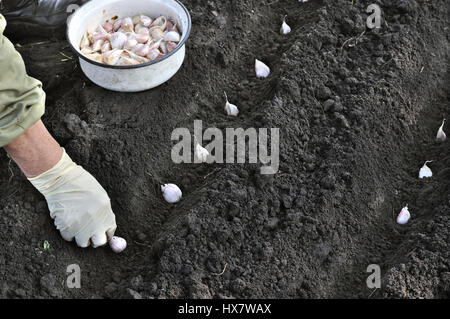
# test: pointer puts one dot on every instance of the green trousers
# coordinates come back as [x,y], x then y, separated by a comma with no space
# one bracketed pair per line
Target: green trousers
[22,100]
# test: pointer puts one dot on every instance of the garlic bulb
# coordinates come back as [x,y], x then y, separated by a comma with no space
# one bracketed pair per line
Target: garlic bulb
[404,216]
[285,28]
[262,70]
[171,193]
[441,137]
[201,153]
[231,109]
[425,171]
[117,244]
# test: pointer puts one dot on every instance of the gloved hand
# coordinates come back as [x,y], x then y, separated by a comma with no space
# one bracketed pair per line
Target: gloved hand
[79,205]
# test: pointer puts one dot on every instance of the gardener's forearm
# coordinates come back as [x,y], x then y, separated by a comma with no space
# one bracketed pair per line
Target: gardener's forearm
[35,151]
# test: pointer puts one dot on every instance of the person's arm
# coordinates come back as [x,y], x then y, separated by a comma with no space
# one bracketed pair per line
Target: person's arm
[35,151]
[79,205]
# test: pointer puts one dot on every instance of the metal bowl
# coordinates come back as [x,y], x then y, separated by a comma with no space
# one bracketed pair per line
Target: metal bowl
[129,78]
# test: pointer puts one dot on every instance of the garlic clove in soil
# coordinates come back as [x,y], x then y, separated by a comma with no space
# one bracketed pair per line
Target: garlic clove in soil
[441,136]
[201,153]
[171,193]
[117,244]
[425,171]
[261,69]
[285,28]
[404,216]
[231,109]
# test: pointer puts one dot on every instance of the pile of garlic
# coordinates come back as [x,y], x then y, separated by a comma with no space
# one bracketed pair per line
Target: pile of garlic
[130,41]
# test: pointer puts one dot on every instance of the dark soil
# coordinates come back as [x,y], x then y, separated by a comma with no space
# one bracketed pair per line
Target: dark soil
[357,119]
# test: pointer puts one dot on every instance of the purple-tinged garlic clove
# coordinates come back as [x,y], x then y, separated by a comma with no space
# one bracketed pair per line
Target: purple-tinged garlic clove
[117,25]
[108,27]
[136,57]
[172,36]
[171,193]
[154,54]
[441,136]
[143,51]
[117,244]
[425,171]
[404,216]
[99,36]
[142,38]
[118,40]
[170,46]
[131,43]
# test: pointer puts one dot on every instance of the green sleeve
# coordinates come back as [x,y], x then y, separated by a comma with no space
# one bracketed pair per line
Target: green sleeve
[22,100]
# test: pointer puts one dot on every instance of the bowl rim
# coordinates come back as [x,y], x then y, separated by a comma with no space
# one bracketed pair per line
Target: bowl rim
[124,67]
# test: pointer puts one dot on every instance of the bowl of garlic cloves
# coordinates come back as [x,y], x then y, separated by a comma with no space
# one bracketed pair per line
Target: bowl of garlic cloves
[129,45]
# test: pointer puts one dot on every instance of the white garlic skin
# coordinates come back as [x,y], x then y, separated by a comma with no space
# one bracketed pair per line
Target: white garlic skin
[425,171]
[261,69]
[441,136]
[404,216]
[285,28]
[117,244]
[201,153]
[171,193]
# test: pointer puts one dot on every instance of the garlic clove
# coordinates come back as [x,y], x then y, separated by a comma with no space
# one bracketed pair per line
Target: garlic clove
[143,51]
[231,109]
[201,153]
[172,36]
[95,57]
[142,37]
[118,40]
[106,47]
[425,171]
[160,22]
[112,57]
[156,33]
[285,28]
[117,25]
[171,193]
[98,45]
[156,45]
[170,46]
[85,41]
[131,44]
[404,216]
[117,244]
[108,27]
[163,47]
[127,24]
[261,69]
[441,136]
[154,54]
[127,61]
[136,57]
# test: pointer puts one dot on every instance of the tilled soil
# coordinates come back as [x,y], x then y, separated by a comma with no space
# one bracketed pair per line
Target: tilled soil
[358,111]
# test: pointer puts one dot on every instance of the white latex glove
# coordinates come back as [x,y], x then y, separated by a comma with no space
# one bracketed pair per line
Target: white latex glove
[79,205]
